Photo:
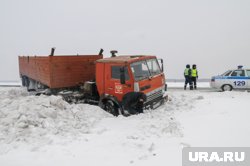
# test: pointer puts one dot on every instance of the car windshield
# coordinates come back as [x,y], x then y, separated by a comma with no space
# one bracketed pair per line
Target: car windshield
[144,69]
[227,73]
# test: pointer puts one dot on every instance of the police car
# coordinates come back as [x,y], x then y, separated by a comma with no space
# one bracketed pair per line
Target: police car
[232,79]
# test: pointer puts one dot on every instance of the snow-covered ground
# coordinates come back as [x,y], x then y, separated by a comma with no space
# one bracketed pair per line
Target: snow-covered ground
[10,83]
[181,84]
[45,130]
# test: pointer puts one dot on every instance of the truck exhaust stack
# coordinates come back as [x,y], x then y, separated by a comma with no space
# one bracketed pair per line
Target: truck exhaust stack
[52,51]
[101,51]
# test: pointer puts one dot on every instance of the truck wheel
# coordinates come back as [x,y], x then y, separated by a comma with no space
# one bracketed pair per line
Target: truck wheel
[226,87]
[110,107]
[26,82]
[23,81]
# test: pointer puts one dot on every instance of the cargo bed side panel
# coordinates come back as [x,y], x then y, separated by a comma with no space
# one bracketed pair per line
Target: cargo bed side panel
[59,71]
[37,68]
[69,71]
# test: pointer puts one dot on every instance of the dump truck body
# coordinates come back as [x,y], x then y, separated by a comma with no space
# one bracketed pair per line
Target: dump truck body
[59,71]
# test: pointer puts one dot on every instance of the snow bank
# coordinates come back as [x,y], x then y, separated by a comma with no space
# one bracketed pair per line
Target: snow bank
[37,119]
[48,131]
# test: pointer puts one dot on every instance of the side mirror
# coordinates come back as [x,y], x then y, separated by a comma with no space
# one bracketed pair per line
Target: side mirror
[122,75]
[162,68]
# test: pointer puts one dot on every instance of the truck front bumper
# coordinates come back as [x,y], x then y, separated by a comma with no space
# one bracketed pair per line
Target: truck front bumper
[156,98]
[153,104]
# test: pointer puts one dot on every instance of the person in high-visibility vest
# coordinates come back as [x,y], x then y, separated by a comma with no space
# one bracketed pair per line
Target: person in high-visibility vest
[194,75]
[187,75]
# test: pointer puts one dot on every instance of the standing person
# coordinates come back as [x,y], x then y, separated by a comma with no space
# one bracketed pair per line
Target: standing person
[194,75]
[187,75]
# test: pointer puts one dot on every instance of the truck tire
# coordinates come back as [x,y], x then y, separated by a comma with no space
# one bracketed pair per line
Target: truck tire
[23,81]
[226,87]
[26,82]
[133,102]
[111,108]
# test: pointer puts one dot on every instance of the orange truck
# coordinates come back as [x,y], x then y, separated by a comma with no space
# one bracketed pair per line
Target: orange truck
[124,85]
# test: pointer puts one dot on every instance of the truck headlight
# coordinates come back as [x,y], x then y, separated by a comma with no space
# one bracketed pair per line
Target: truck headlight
[163,81]
[136,87]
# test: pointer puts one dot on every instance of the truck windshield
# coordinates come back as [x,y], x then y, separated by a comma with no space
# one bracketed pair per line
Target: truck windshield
[153,67]
[144,69]
[140,70]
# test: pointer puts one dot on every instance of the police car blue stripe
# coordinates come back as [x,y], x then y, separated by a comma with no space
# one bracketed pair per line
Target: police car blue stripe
[234,78]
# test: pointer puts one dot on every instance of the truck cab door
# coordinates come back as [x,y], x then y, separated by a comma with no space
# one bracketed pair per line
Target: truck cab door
[112,79]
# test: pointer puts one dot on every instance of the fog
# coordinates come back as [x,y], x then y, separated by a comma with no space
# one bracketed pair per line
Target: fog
[214,34]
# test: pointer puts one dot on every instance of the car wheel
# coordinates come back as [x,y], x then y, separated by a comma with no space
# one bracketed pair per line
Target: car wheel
[227,87]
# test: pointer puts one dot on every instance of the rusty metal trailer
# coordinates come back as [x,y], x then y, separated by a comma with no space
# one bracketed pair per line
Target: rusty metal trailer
[57,71]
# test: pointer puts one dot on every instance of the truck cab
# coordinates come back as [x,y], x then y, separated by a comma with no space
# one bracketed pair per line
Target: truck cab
[118,76]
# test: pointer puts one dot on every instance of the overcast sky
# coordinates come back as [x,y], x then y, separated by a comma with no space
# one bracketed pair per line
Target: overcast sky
[214,34]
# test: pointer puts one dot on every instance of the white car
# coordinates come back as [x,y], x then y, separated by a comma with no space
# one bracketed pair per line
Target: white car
[232,79]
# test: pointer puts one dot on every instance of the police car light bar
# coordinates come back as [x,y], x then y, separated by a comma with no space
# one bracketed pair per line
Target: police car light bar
[240,67]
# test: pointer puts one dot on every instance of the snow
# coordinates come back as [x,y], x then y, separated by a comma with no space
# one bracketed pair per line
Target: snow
[45,130]
[10,83]
[181,84]
[34,120]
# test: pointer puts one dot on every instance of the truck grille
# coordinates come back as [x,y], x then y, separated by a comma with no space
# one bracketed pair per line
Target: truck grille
[154,94]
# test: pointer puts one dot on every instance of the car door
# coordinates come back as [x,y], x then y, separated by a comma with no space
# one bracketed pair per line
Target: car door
[223,79]
[238,79]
